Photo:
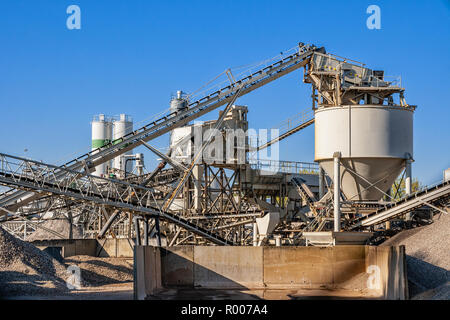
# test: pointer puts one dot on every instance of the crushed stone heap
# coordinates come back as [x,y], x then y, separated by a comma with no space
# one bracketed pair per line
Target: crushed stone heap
[26,270]
[61,226]
[428,258]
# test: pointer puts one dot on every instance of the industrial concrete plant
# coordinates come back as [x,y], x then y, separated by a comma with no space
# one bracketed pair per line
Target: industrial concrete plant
[215,220]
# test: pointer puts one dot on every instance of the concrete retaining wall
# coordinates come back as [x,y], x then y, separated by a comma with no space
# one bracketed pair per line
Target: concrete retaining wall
[312,267]
[147,271]
[120,248]
[228,267]
[70,247]
[178,266]
[217,267]
[90,247]
[391,262]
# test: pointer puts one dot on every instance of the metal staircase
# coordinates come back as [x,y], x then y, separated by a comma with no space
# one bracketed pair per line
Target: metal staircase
[316,224]
[320,219]
[86,163]
[306,194]
[291,126]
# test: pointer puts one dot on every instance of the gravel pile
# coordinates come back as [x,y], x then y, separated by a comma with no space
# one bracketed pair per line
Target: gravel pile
[26,270]
[428,258]
[102,271]
[61,226]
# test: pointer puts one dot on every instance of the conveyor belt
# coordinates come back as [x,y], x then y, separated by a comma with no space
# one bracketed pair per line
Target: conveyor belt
[287,134]
[87,162]
[306,194]
[430,196]
[82,190]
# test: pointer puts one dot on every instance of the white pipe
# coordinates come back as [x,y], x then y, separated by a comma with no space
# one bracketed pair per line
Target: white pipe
[255,234]
[278,241]
[408,183]
[408,174]
[337,191]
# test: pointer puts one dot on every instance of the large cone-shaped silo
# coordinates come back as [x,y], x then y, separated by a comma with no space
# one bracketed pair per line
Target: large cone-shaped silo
[374,142]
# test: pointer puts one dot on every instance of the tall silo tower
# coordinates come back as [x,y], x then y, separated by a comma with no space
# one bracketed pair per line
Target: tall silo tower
[177,103]
[375,143]
[358,122]
[122,127]
[363,138]
[101,135]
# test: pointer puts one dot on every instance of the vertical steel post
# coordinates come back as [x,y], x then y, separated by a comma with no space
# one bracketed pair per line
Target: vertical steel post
[321,182]
[145,232]
[278,240]
[337,192]
[388,223]
[197,175]
[255,234]
[136,226]
[408,183]
[158,234]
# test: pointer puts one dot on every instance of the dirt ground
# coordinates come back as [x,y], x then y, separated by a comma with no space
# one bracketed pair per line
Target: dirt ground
[120,291]
[96,272]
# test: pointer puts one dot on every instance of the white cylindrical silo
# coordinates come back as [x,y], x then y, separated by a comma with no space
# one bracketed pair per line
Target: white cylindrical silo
[101,135]
[122,127]
[177,103]
[374,141]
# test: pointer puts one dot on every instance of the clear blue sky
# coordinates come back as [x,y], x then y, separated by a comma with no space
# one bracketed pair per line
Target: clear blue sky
[130,56]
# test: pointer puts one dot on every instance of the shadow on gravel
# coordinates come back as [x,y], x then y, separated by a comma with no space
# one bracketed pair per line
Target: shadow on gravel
[423,276]
[13,283]
[92,277]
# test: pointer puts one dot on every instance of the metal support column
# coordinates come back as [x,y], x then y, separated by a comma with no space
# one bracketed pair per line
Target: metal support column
[337,192]
[388,223]
[158,233]
[278,240]
[136,226]
[145,232]
[408,182]
[255,234]
[321,182]
[197,173]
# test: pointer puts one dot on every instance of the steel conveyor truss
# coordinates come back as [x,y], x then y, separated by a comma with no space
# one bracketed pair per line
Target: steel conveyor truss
[305,193]
[34,176]
[14,199]
[434,196]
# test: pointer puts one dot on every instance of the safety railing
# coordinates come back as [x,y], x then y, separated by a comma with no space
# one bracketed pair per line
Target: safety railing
[292,167]
[294,121]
